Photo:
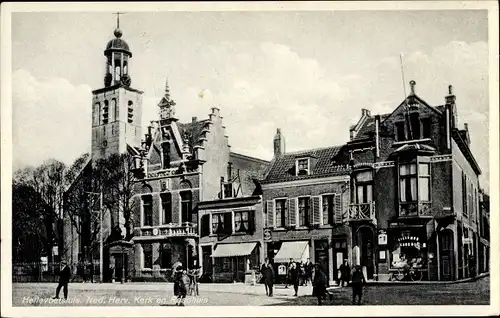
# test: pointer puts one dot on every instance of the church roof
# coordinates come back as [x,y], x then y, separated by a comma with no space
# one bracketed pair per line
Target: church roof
[326,163]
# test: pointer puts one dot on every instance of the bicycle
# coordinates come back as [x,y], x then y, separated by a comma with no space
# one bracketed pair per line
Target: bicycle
[407,273]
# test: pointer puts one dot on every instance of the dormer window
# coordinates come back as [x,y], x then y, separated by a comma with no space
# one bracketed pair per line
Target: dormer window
[303,167]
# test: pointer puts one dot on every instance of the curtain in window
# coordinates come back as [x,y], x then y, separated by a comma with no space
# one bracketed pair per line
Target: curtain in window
[237,222]
[279,211]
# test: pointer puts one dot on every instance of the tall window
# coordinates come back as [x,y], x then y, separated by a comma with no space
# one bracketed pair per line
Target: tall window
[228,190]
[408,182]
[166,207]
[165,256]
[281,210]
[328,209]
[147,255]
[424,182]
[304,210]
[426,128]
[464,195]
[241,221]
[97,113]
[186,205]
[105,111]
[364,187]
[165,155]
[114,109]
[147,210]
[130,113]
[414,126]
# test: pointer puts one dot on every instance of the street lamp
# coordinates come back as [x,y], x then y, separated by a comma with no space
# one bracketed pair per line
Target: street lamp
[101,242]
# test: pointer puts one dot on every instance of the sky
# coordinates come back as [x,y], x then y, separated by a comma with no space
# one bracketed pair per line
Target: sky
[307,72]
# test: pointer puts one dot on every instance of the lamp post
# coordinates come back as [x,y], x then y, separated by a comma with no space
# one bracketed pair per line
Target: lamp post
[101,242]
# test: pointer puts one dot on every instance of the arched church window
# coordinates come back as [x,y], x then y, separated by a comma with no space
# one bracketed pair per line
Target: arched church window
[125,68]
[130,114]
[105,112]
[114,109]
[97,114]
[117,73]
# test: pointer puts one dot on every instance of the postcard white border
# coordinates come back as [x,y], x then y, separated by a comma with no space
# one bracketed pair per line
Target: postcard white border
[307,311]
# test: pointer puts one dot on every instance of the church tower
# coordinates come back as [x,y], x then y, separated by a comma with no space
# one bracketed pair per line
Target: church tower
[117,107]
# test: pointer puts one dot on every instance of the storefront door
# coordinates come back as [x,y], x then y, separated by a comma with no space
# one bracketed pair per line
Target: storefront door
[446,254]
[321,256]
[206,252]
[339,255]
[365,241]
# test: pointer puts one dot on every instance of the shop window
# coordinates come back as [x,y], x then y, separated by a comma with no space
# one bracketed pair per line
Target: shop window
[304,210]
[281,212]
[364,187]
[147,256]
[408,250]
[147,210]
[165,257]
[186,206]
[241,221]
[166,207]
[328,209]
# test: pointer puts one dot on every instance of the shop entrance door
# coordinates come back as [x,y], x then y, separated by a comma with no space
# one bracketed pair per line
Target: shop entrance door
[446,254]
[206,252]
[365,241]
[238,269]
[321,256]
[339,255]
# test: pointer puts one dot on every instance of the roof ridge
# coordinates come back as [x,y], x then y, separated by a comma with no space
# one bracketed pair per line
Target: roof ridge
[313,149]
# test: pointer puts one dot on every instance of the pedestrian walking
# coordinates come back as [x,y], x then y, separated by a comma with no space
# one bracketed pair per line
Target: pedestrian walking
[267,272]
[308,267]
[64,277]
[345,274]
[319,284]
[294,277]
[358,280]
[181,285]
[194,276]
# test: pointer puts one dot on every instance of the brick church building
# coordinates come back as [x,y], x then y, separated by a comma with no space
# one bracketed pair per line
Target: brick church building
[176,166]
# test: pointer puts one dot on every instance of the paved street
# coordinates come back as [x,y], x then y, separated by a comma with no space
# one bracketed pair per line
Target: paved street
[161,294]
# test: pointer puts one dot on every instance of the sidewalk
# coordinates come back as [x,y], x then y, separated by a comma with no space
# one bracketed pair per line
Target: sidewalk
[424,282]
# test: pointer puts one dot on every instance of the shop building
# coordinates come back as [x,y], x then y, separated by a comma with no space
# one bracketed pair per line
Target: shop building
[414,191]
[305,195]
[484,232]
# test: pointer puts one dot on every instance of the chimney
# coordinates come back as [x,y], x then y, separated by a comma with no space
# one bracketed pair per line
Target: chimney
[194,119]
[279,143]
[365,112]
[377,137]
[412,87]
[450,98]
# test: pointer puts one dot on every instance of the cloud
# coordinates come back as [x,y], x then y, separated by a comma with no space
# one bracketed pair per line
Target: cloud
[51,119]
[262,87]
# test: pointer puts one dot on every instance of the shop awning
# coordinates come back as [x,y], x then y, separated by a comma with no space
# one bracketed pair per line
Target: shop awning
[297,251]
[231,250]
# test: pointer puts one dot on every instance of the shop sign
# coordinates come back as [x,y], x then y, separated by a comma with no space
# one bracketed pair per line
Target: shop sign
[267,235]
[382,239]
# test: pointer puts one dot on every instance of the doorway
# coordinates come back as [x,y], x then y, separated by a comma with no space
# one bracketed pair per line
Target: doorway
[446,254]
[321,256]
[365,241]
[339,255]
[206,254]
[121,268]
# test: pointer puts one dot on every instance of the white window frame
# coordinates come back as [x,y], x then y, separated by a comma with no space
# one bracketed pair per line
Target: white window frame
[297,214]
[308,165]
[333,194]
[274,211]
[142,209]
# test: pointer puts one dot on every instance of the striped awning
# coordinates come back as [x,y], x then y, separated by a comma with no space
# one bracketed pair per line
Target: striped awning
[297,251]
[231,250]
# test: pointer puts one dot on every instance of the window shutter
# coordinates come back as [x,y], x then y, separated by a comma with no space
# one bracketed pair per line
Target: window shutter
[251,221]
[287,213]
[316,212]
[270,213]
[338,208]
[310,212]
[292,211]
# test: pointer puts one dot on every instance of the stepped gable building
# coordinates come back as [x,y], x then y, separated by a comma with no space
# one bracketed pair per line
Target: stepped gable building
[305,194]
[414,191]
[176,166]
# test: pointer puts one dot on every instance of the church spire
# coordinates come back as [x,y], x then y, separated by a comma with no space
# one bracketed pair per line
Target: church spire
[117,55]
[167,105]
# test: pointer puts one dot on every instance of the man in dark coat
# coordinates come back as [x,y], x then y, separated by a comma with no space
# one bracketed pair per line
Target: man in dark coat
[267,272]
[181,285]
[319,284]
[358,280]
[345,273]
[64,277]
[294,276]
[308,267]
